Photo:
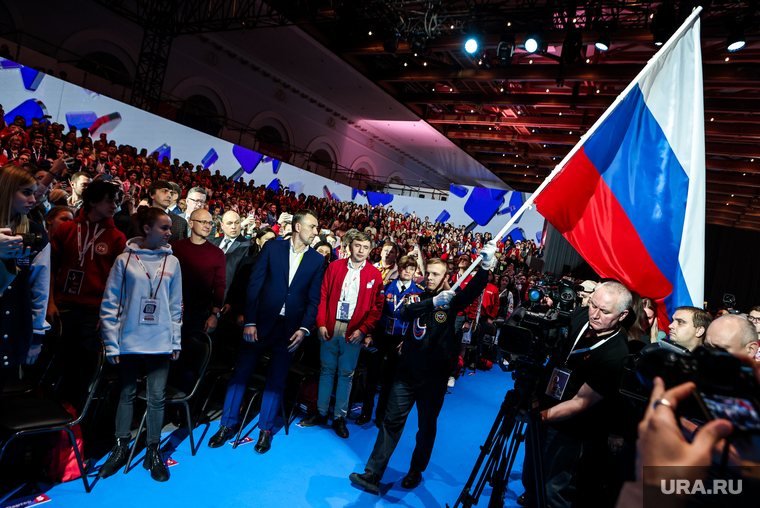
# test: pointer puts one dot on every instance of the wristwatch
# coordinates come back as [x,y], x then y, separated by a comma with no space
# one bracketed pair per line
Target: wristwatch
[219,315]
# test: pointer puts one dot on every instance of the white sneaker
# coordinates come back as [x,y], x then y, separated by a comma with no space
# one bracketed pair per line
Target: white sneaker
[451,382]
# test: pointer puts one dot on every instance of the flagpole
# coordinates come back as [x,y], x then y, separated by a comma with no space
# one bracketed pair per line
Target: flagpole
[529,202]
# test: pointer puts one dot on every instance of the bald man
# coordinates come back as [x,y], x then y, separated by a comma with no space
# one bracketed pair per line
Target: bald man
[734,334]
[234,246]
[204,266]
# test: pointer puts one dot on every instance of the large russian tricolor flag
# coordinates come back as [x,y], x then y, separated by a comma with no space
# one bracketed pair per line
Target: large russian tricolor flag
[630,196]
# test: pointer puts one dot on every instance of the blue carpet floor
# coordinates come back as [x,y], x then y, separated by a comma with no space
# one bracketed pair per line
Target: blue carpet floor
[310,467]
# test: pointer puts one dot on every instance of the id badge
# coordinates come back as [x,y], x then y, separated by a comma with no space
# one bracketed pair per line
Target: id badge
[73,282]
[343,311]
[390,324]
[149,308]
[558,383]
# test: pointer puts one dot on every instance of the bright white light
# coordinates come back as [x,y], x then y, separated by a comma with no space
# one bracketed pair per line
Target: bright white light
[736,46]
[601,46]
[531,45]
[471,46]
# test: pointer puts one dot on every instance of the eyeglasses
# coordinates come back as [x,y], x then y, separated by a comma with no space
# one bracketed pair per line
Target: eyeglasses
[205,222]
[199,201]
[754,319]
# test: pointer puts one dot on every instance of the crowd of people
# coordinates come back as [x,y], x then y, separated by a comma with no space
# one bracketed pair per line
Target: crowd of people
[132,254]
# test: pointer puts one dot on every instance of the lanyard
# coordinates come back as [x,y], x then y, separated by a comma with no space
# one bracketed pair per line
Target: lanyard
[400,300]
[150,279]
[346,284]
[88,244]
[574,351]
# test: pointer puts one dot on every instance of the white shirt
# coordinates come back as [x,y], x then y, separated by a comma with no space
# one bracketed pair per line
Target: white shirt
[295,260]
[349,290]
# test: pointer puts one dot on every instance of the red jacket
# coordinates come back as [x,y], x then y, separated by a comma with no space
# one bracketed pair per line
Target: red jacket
[368,307]
[490,307]
[99,257]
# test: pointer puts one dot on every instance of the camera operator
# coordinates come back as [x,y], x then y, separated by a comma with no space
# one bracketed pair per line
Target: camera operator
[734,334]
[581,383]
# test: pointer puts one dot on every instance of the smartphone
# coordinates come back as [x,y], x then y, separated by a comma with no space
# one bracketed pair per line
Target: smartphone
[372,349]
[743,413]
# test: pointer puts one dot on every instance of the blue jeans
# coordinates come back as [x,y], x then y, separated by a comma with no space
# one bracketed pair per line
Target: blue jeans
[339,356]
[157,369]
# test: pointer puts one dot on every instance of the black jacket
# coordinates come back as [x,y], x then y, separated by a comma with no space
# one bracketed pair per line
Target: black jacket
[430,343]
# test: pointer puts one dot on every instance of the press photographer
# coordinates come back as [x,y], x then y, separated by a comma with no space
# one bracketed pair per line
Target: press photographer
[578,388]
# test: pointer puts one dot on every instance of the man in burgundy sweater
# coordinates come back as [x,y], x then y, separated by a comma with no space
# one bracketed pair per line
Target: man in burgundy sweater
[203,275]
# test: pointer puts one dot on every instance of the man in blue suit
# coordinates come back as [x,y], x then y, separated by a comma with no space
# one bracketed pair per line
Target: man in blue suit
[281,308]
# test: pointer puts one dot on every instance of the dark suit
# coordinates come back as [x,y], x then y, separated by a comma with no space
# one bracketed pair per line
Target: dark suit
[268,290]
[234,255]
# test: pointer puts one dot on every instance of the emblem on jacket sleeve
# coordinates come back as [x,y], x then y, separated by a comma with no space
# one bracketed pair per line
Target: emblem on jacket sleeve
[419,329]
[440,316]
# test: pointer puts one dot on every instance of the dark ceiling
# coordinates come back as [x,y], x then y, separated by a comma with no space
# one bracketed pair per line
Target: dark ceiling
[517,115]
[520,116]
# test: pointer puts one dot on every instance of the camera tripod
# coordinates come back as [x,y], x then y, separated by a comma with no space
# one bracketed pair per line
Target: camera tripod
[503,443]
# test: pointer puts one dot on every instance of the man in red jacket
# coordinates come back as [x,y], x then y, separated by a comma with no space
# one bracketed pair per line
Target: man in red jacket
[82,253]
[351,304]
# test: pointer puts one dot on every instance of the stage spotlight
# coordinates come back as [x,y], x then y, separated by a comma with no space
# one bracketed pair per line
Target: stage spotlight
[736,40]
[472,41]
[391,44]
[533,41]
[506,49]
[418,44]
[603,44]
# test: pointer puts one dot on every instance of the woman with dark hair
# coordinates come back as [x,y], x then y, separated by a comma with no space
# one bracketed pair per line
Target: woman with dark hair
[141,319]
[651,326]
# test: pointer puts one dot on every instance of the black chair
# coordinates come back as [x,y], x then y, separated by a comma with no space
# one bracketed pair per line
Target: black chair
[25,416]
[194,359]
[304,373]
[35,375]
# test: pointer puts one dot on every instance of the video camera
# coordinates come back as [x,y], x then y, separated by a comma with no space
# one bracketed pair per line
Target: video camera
[726,388]
[729,302]
[563,293]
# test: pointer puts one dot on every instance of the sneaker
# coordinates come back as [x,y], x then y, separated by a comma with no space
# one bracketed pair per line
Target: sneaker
[369,480]
[339,426]
[117,460]
[154,461]
[451,382]
[314,419]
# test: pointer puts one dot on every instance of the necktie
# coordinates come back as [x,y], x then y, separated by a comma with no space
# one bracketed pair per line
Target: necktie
[403,288]
[226,245]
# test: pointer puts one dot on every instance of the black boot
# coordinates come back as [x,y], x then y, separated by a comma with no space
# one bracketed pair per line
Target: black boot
[117,460]
[154,461]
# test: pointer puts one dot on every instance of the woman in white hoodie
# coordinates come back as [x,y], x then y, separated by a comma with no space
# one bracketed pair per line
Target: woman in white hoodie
[141,318]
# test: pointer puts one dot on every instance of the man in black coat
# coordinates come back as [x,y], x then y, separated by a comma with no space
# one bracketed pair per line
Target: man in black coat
[234,246]
[428,352]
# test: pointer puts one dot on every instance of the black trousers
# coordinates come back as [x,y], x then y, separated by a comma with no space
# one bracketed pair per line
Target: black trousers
[561,457]
[381,366]
[427,390]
